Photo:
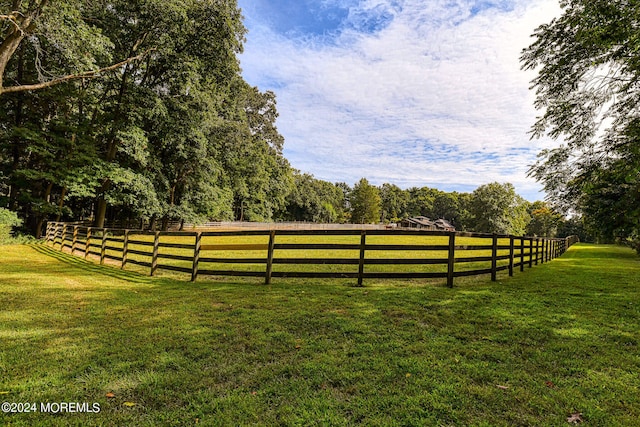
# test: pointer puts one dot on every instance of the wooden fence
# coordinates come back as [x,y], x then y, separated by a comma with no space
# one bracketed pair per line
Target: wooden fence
[486,254]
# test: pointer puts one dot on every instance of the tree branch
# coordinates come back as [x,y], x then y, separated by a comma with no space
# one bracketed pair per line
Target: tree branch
[86,75]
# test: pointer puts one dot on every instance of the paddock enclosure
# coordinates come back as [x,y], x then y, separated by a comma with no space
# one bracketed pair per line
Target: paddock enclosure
[321,253]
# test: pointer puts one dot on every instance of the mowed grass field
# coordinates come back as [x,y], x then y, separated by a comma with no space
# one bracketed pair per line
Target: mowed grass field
[556,342]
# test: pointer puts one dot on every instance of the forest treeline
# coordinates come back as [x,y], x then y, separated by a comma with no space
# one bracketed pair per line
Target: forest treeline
[490,208]
[172,132]
[112,109]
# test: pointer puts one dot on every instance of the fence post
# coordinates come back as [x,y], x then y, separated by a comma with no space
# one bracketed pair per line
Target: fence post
[64,236]
[521,253]
[363,245]
[511,254]
[125,249]
[546,250]
[494,256]
[103,247]
[154,255]
[451,260]
[86,247]
[196,256]
[530,252]
[75,239]
[272,239]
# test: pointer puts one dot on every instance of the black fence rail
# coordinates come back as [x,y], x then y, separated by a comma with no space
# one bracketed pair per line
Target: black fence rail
[357,254]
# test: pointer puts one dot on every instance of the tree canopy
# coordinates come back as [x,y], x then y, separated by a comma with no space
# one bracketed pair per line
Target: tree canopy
[170,130]
[587,87]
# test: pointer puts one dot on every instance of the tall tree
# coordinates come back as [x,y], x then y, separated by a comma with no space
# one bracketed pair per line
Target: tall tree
[588,63]
[395,202]
[365,203]
[544,220]
[496,208]
[251,151]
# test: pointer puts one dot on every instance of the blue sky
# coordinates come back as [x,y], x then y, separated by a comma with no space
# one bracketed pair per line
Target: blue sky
[410,92]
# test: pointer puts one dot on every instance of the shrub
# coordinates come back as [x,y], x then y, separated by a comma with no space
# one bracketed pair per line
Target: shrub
[8,220]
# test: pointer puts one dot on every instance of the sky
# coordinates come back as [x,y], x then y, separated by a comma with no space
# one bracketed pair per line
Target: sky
[410,92]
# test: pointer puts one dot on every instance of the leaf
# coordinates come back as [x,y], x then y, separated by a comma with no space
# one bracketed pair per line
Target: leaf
[4,392]
[129,404]
[550,384]
[110,395]
[502,387]
[575,418]
[408,375]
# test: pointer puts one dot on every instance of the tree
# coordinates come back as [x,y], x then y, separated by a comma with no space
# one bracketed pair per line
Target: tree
[53,29]
[421,201]
[174,134]
[588,63]
[365,203]
[250,150]
[496,208]
[314,200]
[394,203]
[544,220]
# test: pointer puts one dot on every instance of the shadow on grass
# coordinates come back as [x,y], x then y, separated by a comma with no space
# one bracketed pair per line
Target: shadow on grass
[136,277]
[89,266]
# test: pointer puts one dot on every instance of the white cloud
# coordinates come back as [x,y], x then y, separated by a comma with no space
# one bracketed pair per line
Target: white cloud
[435,98]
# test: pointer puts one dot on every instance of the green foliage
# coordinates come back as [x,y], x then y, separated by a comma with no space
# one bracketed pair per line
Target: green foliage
[544,220]
[8,220]
[314,200]
[365,203]
[496,208]
[394,203]
[175,134]
[588,63]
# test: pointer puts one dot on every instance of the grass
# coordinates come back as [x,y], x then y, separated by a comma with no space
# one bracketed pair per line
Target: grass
[531,350]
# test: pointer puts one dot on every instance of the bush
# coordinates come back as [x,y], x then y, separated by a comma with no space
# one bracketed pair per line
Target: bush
[8,220]
[634,241]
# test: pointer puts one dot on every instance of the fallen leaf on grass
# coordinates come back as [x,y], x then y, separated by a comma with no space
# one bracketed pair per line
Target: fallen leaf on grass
[129,404]
[575,418]
[550,384]
[110,395]
[408,375]
[502,387]
[4,392]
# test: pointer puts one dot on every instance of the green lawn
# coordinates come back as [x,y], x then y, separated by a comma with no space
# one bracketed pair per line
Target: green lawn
[531,350]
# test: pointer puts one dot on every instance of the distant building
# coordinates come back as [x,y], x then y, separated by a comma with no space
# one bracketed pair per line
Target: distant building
[444,225]
[424,223]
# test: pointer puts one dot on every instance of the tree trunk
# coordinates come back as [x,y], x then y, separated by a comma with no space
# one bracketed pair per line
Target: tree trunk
[101,212]
[23,24]
[61,203]
[41,218]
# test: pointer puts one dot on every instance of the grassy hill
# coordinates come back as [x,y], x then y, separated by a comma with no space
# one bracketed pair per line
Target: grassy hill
[546,345]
